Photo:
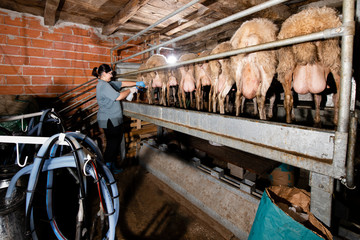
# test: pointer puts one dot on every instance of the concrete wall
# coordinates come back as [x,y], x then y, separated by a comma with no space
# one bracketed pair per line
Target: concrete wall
[231,207]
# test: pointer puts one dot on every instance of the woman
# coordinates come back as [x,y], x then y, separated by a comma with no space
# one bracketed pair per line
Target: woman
[110,116]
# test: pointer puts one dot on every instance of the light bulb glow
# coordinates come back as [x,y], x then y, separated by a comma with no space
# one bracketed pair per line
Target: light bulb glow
[171,59]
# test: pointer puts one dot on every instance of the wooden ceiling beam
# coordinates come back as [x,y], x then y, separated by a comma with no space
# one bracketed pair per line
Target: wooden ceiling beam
[188,21]
[18,7]
[123,16]
[50,12]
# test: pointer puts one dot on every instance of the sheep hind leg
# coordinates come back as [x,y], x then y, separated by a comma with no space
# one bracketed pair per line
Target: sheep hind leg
[317,119]
[288,98]
[214,101]
[238,103]
[271,106]
[198,93]
[261,106]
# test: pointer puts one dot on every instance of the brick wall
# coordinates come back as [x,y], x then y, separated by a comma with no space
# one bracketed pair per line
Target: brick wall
[46,61]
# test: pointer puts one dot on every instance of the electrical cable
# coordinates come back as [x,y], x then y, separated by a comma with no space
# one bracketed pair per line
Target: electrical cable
[108,196]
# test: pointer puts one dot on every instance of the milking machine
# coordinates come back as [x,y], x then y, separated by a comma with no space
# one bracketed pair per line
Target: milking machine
[73,152]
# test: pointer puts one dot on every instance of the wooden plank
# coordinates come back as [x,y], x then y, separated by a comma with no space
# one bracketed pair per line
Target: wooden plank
[144,130]
[51,7]
[123,16]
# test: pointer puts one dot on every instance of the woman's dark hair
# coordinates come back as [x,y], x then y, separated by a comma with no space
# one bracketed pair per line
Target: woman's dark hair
[102,68]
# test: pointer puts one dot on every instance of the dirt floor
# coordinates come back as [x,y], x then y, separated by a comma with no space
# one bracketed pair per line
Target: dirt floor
[149,209]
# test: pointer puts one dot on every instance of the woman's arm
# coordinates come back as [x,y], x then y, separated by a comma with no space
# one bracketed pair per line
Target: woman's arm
[123,95]
[128,84]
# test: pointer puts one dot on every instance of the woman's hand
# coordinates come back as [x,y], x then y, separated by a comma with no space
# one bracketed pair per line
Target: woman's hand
[140,84]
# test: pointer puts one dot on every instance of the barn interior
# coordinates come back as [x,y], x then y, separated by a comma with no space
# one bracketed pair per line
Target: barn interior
[188,171]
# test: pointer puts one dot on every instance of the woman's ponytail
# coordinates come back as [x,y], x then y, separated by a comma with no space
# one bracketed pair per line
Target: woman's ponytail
[95,72]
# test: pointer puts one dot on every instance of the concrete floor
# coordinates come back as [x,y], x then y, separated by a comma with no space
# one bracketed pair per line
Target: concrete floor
[149,209]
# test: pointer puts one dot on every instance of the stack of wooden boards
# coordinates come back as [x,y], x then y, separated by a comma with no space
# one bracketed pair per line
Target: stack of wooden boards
[138,131]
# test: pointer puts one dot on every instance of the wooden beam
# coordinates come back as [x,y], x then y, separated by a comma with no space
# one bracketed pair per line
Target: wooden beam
[18,7]
[50,12]
[123,16]
[189,21]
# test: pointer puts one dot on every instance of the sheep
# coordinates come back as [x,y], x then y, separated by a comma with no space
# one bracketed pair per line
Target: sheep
[305,66]
[222,80]
[254,72]
[202,78]
[159,78]
[173,82]
[147,80]
[187,81]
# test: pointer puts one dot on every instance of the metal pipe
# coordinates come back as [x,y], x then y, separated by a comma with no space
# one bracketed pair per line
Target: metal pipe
[61,95]
[157,23]
[12,118]
[233,17]
[328,33]
[90,115]
[351,151]
[92,94]
[346,65]
[83,86]
[80,94]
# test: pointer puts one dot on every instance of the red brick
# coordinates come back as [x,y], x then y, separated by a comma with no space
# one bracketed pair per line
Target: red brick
[10,50]
[73,39]
[34,61]
[63,80]
[17,21]
[91,57]
[35,52]
[81,80]
[52,36]
[9,30]
[65,30]
[74,55]
[2,80]
[81,48]
[2,39]
[103,43]
[55,71]
[33,70]
[63,46]
[16,60]
[35,90]
[24,80]
[88,72]
[41,43]
[8,70]
[98,50]
[75,72]
[61,63]
[18,41]
[35,24]
[36,80]
[26,32]
[1,19]
[54,53]
[80,64]
[104,59]
[90,41]
[6,90]
[81,32]
[57,89]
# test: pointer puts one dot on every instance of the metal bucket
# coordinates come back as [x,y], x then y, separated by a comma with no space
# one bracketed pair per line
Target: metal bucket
[12,215]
